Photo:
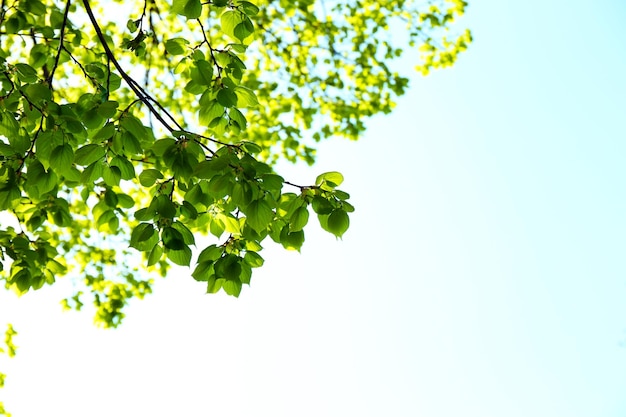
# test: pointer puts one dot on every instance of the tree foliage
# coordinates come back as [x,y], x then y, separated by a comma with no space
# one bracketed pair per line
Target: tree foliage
[140,126]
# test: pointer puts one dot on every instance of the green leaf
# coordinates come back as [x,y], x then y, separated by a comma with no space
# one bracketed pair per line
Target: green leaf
[203,271]
[38,55]
[35,7]
[214,284]
[6,150]
[211,254]
[244,29]
[127,169]
[202,72]
[144,237]
[337,222]
[131,25]
[155,255]
[206,170]
[181,256]
[92,172]
[149,176]
[246,97]
[22,280]
[249,8]
[38,93]
[9,196]
[39,181]
[349,208]
[107,132]
[259,215]
[145,214]
[253,259]
[26,73]
[108,109]
[165,207]
[299,219]
[21,143]
[342,195]
[110,198]
[125,201]
[321,205]
[133,125]
[237,119]
[88,154]
[232,287]
[273,181]
[213,110]
[217,227]
[251,147]
[172,239]
[221,185]
[185,233]
[228,267]
[62,157]
[246,273]
[9,126]
[162,145]
[291,240]
[176,46]
[191,9]
[333,179]
[226,97]
[230,19]
[189,211]
[92,119]
[231,224]
[111,175]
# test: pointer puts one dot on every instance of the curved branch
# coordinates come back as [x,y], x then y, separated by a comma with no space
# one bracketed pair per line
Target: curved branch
[141,94]
[61,47]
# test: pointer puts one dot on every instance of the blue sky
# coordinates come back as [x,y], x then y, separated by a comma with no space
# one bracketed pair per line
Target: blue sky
[483,274]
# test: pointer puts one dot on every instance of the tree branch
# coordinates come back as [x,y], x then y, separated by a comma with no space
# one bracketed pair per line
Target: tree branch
[141,94]
[56,59]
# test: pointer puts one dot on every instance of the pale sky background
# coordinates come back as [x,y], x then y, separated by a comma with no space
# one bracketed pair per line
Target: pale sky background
[483,274]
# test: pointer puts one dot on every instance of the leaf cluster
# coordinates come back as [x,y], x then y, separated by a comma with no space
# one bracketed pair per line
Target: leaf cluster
[145,134]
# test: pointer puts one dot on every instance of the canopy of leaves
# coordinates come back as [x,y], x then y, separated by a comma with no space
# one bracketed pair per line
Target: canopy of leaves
[138,135]
[137,127]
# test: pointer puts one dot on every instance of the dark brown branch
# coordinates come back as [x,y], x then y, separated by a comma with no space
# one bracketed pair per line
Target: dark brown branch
[206,40]
[60,49]
[151,103]
[141,94]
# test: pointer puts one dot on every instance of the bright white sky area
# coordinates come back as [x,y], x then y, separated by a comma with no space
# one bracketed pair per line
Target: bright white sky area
[483,273]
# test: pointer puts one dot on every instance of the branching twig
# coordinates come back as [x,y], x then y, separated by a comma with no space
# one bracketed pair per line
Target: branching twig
[206,40]
[56,59]
[301,187]
[151,103]
[141,94]
[83,70]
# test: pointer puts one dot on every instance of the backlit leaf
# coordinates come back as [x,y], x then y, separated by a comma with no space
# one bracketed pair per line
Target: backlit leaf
[88,154]
[148,177]
[338,222]
[334,179]
[176,46]
[62,157]
[259,214]
[181,256]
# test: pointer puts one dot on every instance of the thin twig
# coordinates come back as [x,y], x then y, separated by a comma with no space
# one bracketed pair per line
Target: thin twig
[141,94]
[56,59]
